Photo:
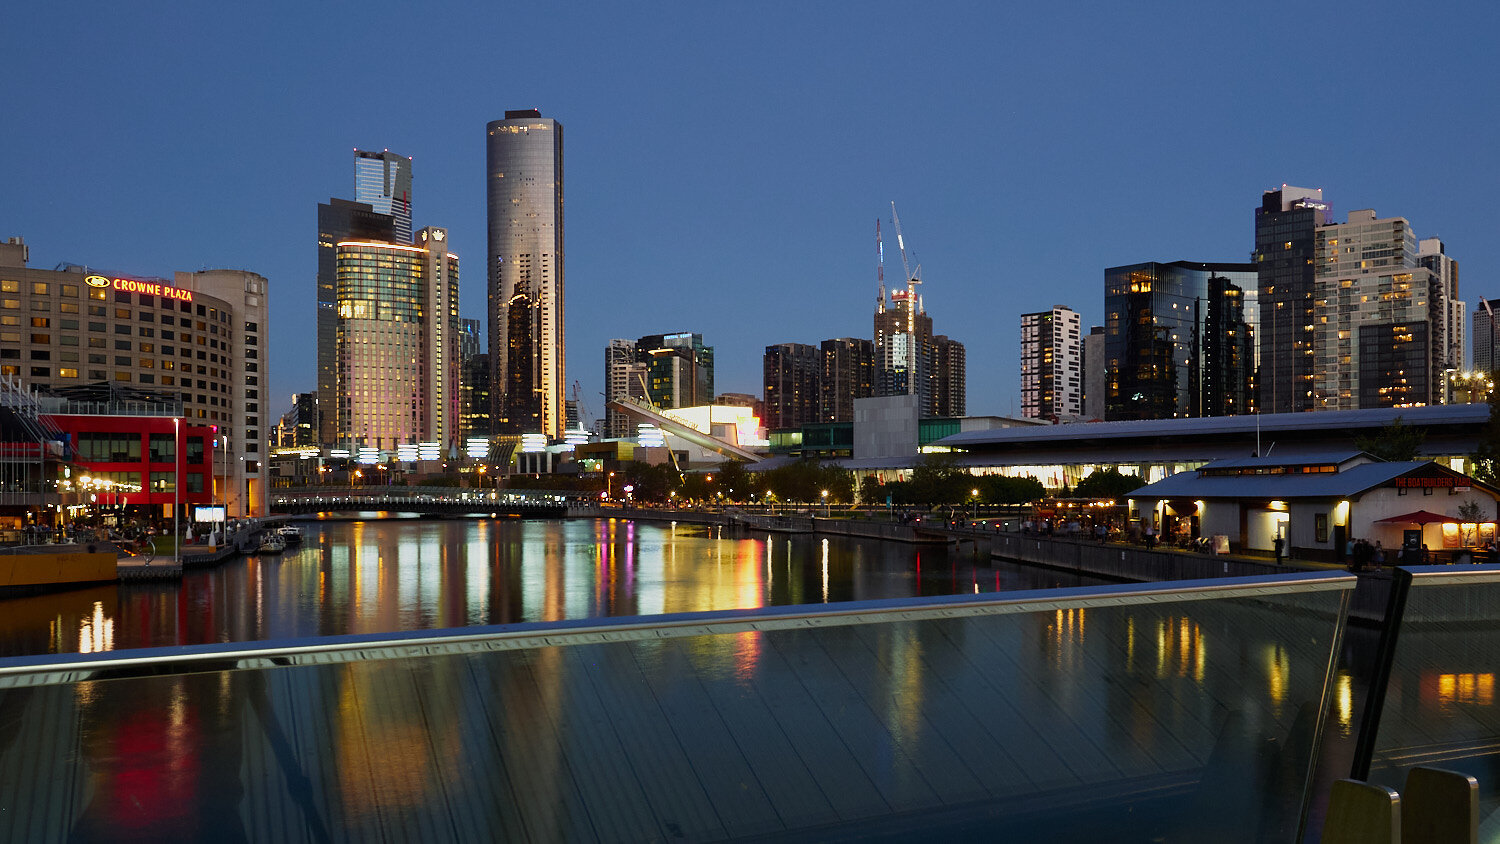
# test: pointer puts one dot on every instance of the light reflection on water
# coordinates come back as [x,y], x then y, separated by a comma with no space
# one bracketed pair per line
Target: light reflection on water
[387,575]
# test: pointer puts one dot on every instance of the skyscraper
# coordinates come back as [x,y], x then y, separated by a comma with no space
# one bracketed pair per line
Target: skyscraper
[524,188]
[1286,225]
[903,348]
[1487,336]
[339,220]
[1051,364]
[1177,341]
[1384,336]
[400,365]
[382,180]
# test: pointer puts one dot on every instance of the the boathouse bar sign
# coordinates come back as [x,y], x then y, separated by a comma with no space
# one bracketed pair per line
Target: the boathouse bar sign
[151,288]
[1439,482]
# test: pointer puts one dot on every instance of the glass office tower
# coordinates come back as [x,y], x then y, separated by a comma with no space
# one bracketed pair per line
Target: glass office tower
[382,180]
[1286,225]
[1178,341]
[525,273]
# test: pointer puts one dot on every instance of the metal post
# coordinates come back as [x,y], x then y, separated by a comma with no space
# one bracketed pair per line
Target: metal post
[176,488]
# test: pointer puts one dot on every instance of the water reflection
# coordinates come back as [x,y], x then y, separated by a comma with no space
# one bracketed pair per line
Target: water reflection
[391,575]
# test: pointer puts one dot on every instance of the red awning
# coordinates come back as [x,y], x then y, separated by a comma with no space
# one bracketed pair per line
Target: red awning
[1421,517]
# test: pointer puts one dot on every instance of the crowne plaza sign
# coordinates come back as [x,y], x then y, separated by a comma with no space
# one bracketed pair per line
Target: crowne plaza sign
[151,288]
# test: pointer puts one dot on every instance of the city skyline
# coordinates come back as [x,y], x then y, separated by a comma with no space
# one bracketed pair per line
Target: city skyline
[728,182]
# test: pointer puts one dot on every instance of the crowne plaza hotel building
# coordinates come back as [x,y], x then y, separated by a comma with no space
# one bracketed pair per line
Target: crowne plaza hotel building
[199,337]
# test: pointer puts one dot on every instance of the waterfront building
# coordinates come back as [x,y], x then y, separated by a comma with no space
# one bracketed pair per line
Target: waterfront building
[1385,332]
[1311,504]
[133,455]
[199,337]
[791,373]
[382,180]
[338,220]
[1487,336]
[1178,340]
[1286,225]
[398,344]
[847,373]
[1095,373]
[1051,364]
[1062,455]
[524,191]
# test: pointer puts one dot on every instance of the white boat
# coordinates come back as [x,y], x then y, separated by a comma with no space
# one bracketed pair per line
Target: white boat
[289,533]
[272,543]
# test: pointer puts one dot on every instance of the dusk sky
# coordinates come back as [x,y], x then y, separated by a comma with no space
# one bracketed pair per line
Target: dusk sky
[725,163]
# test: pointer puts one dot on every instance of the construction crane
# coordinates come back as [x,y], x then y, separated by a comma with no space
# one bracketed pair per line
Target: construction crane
[912,280]
[585,421]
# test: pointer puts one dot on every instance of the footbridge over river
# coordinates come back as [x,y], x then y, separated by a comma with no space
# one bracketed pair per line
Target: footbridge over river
[437,501]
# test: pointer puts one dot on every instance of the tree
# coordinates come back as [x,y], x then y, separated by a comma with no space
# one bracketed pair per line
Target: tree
[734,481]
[1001,489]
[1396,441]
[1107,483]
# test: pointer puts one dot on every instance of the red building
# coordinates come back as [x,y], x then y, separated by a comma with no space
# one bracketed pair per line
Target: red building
[145,463]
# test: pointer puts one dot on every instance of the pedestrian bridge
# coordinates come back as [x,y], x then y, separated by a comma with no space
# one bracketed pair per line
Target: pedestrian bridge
[433,501]
[1184,711]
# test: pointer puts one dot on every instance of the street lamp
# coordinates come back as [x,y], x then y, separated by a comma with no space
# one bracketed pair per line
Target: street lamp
[609,485]
[825,503]
[974,508]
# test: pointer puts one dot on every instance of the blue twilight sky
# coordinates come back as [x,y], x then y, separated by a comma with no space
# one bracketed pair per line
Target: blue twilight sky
[725,163]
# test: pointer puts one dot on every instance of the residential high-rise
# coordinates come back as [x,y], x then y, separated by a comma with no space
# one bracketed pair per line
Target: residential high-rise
[1177,340]
[791,385]
[624,377]
[1432,254]
[382,180]
[1385,336]
[524,187]
[1051,364]
[400,366]
[950,378]
[1487,336]
[338,220]
[1095,374]
[1286,225]
[848,373]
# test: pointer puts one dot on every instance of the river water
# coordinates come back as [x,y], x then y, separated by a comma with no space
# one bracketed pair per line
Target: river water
[387,575]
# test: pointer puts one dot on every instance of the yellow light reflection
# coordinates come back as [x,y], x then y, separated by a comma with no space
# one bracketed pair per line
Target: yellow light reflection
[1278,671]
[1180,649]
[1344,693]
[97,632]
[1475,689]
